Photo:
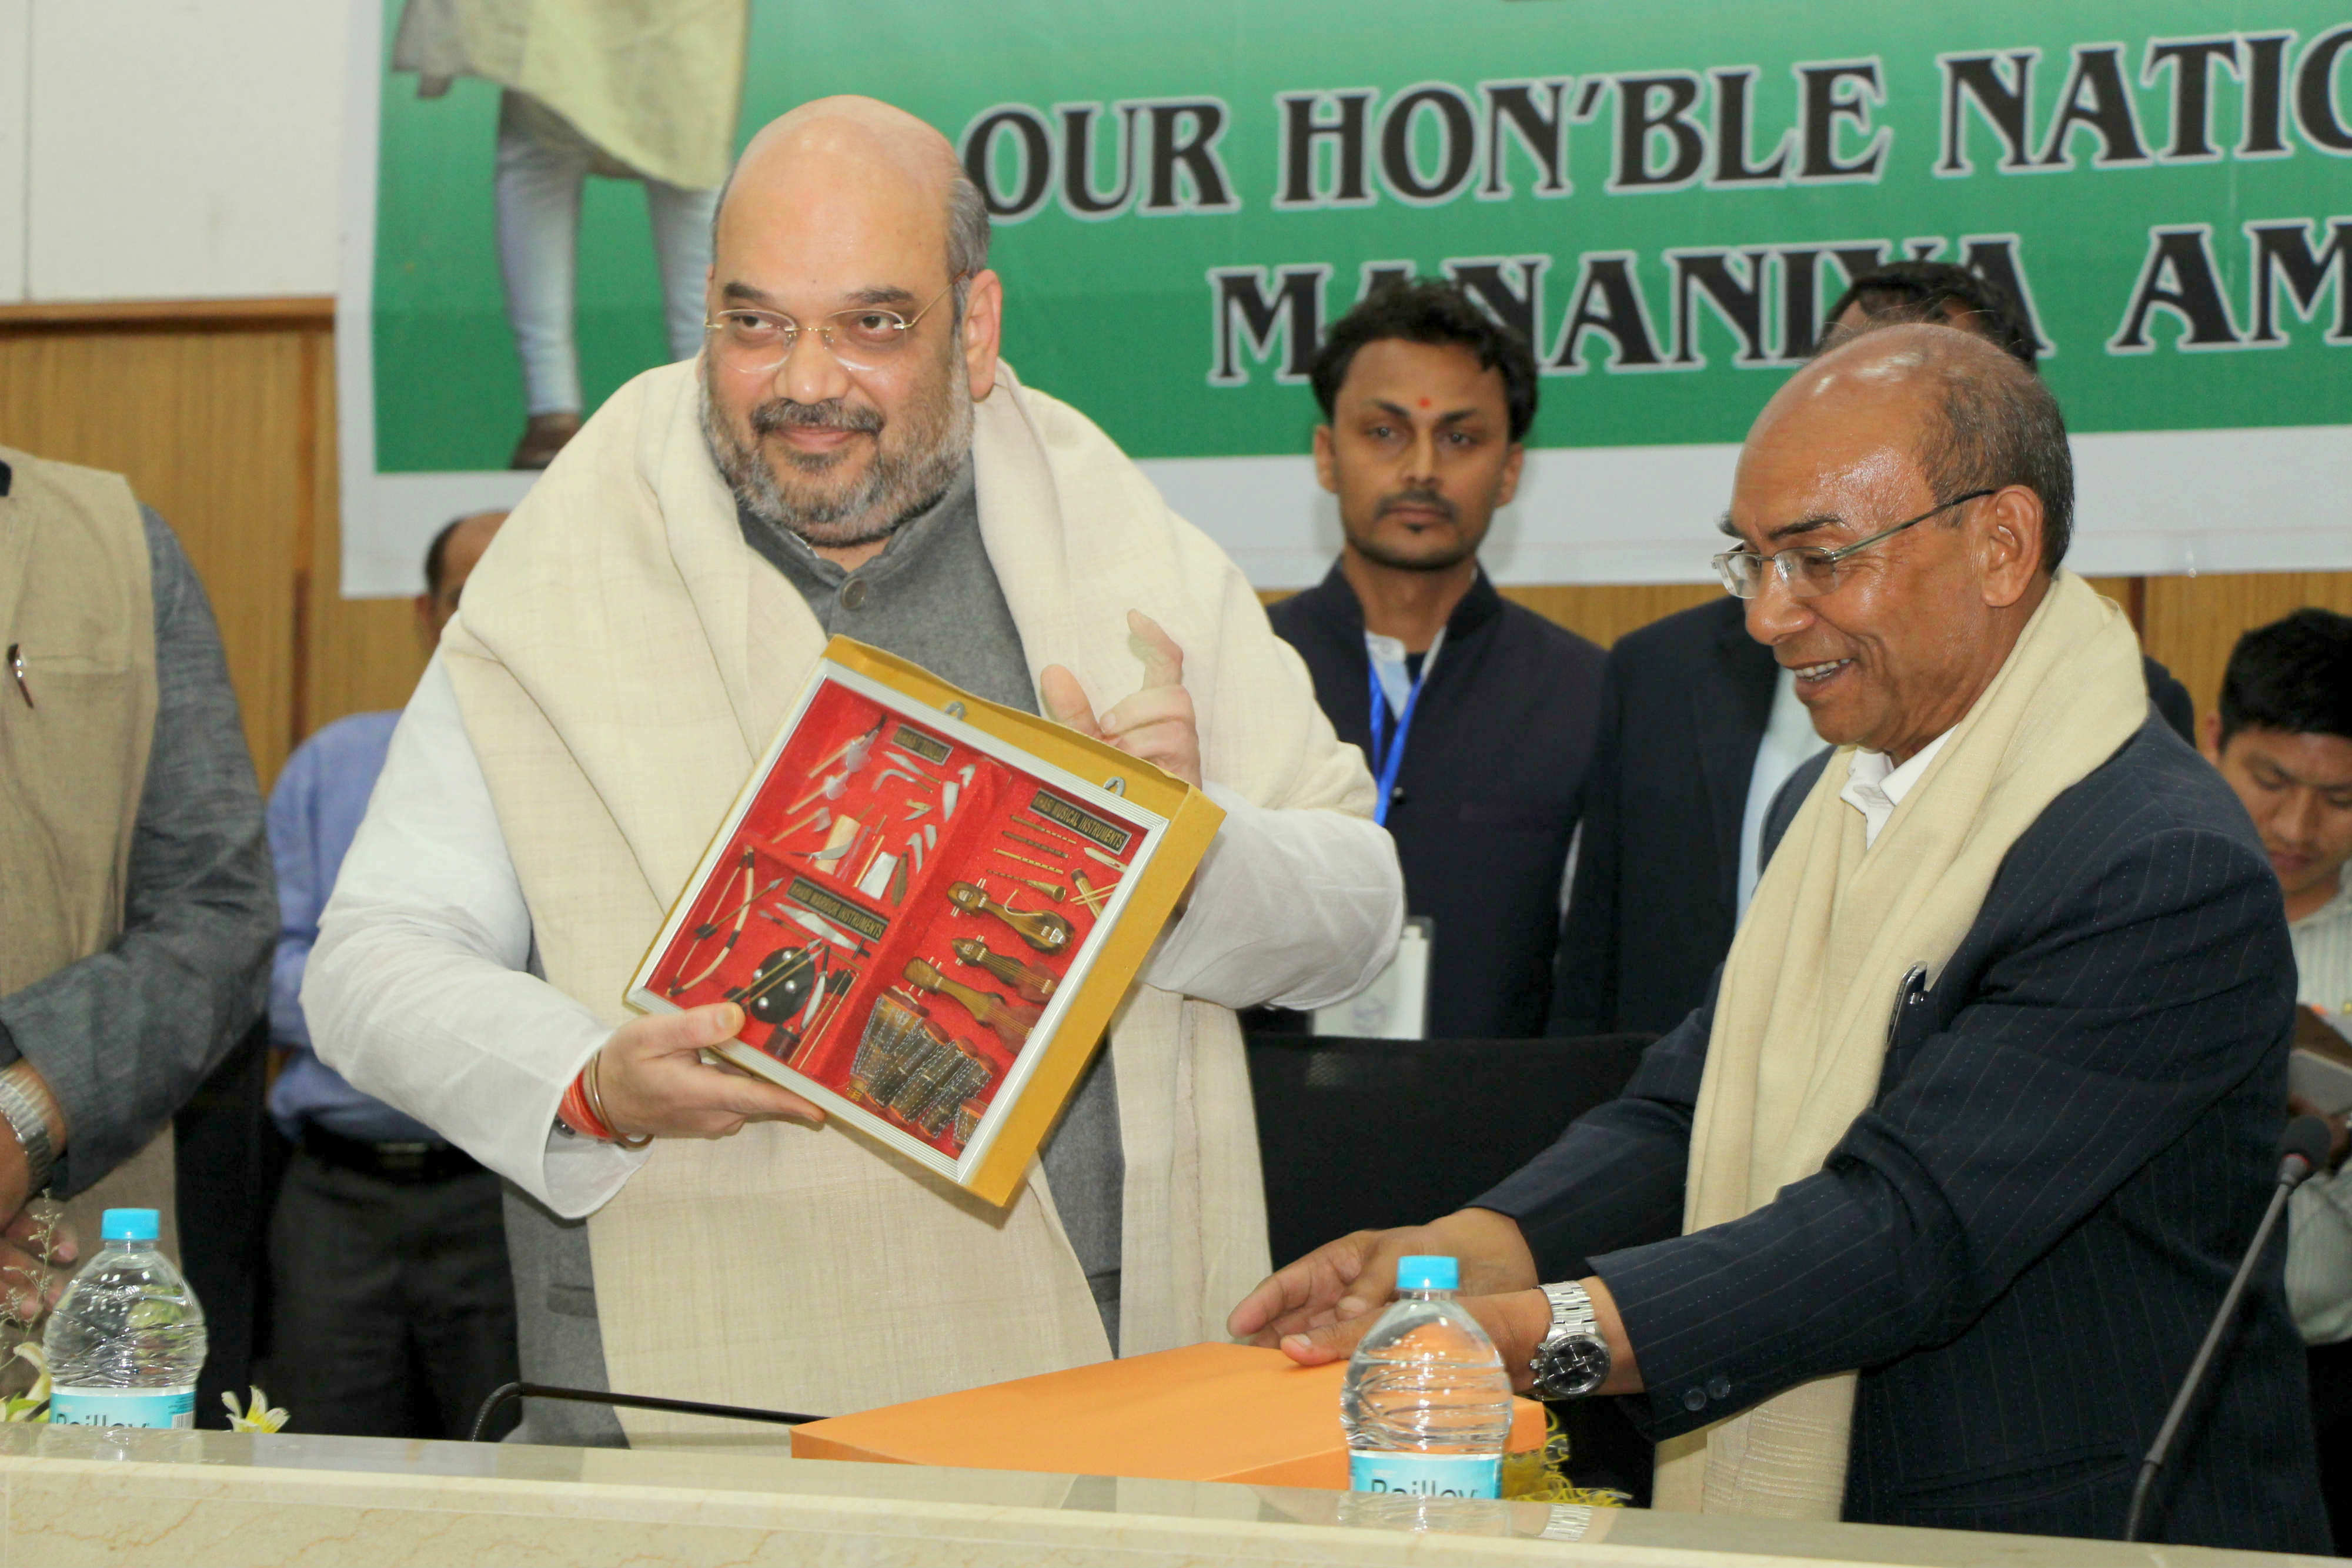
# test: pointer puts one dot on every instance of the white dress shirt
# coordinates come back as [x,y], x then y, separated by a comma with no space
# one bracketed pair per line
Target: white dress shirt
[437,1008]
[1875,786]
[1388,655]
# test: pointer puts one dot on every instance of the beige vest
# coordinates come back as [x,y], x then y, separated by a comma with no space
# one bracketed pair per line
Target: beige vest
[76,606]
[621,660]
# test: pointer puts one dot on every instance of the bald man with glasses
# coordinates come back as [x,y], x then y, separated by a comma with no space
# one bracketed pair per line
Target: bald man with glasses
[1919,1217]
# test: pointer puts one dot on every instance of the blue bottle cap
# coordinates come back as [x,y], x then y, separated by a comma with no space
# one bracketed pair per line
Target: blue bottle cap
[1428,1274]
[139,1225]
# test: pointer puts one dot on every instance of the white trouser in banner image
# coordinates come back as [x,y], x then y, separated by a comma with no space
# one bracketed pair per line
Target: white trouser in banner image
[542,165]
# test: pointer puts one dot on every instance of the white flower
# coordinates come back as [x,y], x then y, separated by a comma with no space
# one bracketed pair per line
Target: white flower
[34,1403]
[264,1417]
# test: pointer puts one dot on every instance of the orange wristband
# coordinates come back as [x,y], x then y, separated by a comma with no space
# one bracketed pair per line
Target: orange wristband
[577,1115]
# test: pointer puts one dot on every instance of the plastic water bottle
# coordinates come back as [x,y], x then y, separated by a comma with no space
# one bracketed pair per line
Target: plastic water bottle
[1427,1405]
[126,1342]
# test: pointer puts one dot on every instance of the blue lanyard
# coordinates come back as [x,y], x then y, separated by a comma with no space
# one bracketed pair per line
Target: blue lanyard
[1388,756]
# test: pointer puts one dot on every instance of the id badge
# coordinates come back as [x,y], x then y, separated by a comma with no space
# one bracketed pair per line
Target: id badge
[1395,1006]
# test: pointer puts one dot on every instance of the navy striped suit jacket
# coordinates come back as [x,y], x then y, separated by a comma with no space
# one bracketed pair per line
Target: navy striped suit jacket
[2021,1244]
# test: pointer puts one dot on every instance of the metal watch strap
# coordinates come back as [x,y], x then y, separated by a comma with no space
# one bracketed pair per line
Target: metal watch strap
[1571,1310]
[31,1125]
[1572,1318]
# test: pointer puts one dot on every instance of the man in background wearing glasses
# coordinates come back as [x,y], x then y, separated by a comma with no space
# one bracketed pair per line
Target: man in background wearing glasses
[1920,1216]
[848,454]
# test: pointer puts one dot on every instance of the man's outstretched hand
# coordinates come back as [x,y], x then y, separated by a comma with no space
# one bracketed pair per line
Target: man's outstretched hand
[1316,1308]
[1157,724]
[654,1081]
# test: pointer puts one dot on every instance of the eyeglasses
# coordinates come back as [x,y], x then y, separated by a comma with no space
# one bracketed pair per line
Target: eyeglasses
[757,341]
[1808,570]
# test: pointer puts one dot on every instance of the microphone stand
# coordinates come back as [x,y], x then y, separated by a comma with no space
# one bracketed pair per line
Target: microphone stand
[507,1394]
[2305,1150]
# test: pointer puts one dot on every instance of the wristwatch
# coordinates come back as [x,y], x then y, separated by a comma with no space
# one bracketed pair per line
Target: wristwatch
[28,1120]
[1572,1359]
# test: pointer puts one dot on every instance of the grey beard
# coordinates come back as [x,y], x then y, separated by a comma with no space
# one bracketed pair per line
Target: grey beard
[897,486]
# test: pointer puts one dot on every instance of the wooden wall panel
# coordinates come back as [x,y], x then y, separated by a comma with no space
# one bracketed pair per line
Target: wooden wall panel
[1605,614]
[1601,611]
[208,427]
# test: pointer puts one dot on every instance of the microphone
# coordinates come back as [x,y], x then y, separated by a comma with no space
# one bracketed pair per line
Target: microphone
[507,1392]
[2306,1140]
[2303,1149]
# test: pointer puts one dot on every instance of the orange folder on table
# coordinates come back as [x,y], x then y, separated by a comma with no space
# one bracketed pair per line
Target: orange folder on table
[1203,1412]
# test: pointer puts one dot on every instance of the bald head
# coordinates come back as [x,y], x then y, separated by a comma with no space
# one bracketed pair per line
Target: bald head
[1977,417]
[879,134]
[449,560]
[807,159]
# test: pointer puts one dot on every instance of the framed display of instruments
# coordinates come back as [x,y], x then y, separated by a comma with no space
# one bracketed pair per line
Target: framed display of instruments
[891,966]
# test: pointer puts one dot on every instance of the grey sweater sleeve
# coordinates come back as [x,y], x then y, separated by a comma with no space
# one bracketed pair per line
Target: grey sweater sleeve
[126,1035]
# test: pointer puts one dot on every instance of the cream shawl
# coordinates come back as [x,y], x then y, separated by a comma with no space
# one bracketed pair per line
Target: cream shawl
[1801,1019]
[622,659]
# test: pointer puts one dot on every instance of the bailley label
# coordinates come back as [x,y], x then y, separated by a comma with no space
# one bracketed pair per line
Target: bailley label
[1417,1474]
[837,909]
[1109,835]
[908,738]
[123,1406]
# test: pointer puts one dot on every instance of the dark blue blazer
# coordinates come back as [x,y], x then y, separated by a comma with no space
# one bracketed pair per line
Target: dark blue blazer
[2021,1244]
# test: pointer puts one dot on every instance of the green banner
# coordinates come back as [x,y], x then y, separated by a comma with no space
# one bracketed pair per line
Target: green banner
[1665,198]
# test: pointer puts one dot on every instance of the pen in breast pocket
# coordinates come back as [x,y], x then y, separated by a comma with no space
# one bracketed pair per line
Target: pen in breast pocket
[1915,985]
[17,668]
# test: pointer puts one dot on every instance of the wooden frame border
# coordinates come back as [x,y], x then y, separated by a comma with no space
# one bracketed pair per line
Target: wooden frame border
[170,315]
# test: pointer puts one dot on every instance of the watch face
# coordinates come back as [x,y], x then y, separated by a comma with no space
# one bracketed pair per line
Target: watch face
[1571,1365]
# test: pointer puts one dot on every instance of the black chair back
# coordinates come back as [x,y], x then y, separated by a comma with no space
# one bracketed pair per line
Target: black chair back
[1362,1134]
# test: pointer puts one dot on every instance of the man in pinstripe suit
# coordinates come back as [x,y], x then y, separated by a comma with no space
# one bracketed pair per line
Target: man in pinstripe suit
[2018,1243]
